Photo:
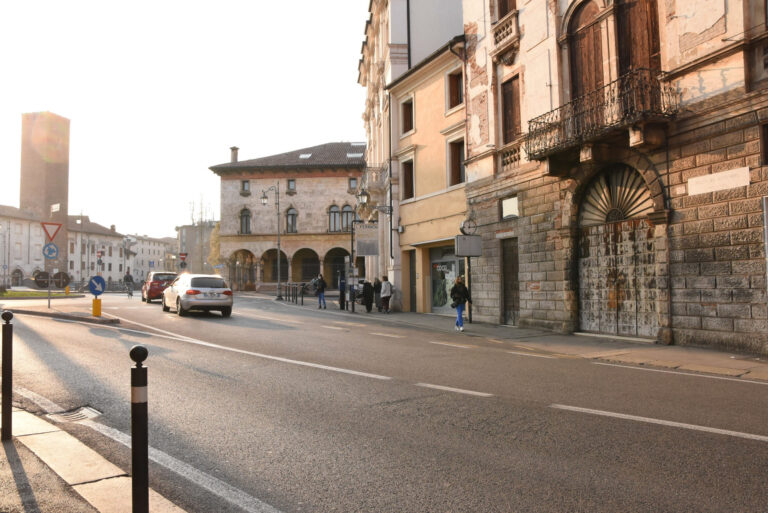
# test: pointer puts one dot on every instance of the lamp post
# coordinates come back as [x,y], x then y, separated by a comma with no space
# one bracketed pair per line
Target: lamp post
[264,200]
[363,197]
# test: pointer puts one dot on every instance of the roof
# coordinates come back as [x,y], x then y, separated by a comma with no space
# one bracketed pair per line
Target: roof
[17,213]
[329,155]
[455,41]
[84,224]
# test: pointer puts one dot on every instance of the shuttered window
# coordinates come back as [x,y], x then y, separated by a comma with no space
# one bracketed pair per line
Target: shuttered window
[407,116]
[455,89]
[456,152]
[407,179]
[510,92]
[505,7]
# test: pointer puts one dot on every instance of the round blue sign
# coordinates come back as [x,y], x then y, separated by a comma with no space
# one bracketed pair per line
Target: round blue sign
[97,285]
[50,251]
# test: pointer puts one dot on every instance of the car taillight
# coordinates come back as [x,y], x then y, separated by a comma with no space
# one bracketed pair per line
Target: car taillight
[227,292]
[192,292]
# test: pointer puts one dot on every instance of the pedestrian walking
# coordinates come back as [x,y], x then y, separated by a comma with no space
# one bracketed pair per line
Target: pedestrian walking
[460,295]
[368,296]
[377,293]
[320,291]
[386,293]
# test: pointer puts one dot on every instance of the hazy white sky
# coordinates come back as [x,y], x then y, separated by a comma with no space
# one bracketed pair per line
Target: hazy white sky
[157,91]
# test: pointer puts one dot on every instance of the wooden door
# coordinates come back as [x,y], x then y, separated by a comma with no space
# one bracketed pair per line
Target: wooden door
[638,31]
[511,268]
[585,51]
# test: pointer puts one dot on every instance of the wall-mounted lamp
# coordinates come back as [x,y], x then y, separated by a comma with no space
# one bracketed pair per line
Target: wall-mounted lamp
[363,198]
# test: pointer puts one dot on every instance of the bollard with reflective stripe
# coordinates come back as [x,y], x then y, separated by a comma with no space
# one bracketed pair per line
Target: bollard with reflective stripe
[139,431]
[6,390]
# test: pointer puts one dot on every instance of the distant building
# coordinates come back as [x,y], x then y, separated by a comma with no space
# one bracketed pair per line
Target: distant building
[150,254]
[45,175]
[21,246]
[195,241]
[85,240]
[317,206]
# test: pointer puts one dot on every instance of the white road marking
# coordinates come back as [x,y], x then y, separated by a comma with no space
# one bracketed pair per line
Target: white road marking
[332,327]
[206,481]
[460,346]
[451,389]
[690,374]
[648,420]
[267,318]
[176,336]
[388,335]
[359,324]
[529,354]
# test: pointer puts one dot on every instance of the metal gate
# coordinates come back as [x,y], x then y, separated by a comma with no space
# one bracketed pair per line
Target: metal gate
[617,280]
[511,263]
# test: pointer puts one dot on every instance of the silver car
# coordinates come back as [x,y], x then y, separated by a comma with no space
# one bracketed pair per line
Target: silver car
[198,292]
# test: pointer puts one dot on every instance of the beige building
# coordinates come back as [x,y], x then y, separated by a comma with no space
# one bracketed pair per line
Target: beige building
[315,190]
[428,130]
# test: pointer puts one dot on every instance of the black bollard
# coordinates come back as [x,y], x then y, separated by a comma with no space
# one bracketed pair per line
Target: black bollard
[6,389]
[139,431]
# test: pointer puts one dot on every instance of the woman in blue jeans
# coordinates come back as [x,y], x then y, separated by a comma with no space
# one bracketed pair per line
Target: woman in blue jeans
[460,295]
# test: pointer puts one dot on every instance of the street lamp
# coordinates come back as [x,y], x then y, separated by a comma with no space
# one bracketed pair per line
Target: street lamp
[264,200]
[363,197]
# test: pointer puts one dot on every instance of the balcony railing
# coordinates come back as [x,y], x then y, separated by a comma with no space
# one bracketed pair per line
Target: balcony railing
[506,30]
[509,156]
[634,97]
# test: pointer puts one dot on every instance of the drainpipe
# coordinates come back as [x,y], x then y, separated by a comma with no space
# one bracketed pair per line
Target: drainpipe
[765,236]
[391,210]
[408,28]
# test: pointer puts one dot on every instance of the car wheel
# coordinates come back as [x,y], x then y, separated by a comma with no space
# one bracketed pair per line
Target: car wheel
[165,308]
[179,309]
[147,300]
[226,312]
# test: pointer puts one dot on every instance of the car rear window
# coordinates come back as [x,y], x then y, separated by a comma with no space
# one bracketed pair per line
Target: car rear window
[209,283]
[163,277]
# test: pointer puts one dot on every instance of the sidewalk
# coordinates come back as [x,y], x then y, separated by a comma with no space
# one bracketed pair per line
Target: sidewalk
[48,468]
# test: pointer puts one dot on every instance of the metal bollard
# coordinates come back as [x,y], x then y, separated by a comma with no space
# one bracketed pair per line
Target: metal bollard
[6,389]
[302,295]
[139,432]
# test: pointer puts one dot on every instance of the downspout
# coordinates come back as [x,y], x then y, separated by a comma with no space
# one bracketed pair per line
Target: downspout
[669,264]
[391,210]
[408,28]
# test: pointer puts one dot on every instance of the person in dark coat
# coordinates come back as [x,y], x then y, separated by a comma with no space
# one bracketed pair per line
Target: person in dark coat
[460,295]
[320,284]
[377,293]
[368,296]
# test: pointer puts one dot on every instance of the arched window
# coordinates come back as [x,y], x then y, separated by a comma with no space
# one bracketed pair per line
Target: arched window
[245,221]
[334,219]
[347,216]
[290,220]
[586,53]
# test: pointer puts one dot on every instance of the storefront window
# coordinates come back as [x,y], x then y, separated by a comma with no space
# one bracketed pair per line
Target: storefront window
[445,268]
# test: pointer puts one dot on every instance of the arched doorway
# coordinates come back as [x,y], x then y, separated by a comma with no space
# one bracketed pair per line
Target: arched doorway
[333,266]
[617,256]
[305,265]
[242,270]
[17,278]
[269,259]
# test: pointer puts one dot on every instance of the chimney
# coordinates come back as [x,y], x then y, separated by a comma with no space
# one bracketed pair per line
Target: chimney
[234,149]
[112,228]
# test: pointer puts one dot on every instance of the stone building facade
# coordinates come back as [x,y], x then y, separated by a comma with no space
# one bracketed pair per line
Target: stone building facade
[316,188]
[615,157]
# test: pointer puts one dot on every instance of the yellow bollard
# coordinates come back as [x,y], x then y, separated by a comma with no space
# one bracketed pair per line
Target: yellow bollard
[66,290]
[97,307]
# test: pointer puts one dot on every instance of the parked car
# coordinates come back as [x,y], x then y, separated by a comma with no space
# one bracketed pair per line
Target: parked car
[155,284]
[204,292]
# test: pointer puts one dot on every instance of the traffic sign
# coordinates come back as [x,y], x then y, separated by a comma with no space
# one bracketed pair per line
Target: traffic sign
[41,279]
[51,228]
[182,264]
[50,251]
[60,280]
[183,256]
[97,285]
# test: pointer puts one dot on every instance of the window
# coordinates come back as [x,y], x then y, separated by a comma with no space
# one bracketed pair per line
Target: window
[82,248]
[245,221]
[764,144]
[82,266]
[509,208]
[456,166]
[71,265]
[110,266]
[510,94]
[347,216]
[71,247]
[334,219]
[290,220]
[506,7]
[93,249]
[455,89]
[353,184]
[110,252]
[291,184]
[120,268]
[121,252]
[407,179]
[245,186]
[93,266]
[407,115]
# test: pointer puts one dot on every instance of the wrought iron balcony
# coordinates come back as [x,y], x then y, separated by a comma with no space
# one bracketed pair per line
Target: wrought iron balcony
[636,97]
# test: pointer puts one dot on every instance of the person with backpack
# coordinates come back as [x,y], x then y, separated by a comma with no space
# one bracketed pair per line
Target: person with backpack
[320,284]
[460,296]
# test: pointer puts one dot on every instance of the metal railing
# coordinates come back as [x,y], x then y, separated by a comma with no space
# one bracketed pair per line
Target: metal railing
[636,96]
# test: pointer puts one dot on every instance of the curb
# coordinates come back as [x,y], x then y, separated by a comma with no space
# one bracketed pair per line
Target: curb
[71,296]
[67,317]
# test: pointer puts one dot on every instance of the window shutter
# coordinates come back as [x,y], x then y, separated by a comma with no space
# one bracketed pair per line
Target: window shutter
[511,117]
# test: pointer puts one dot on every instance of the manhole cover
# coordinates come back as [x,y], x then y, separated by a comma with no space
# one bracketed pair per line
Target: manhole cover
[76,415]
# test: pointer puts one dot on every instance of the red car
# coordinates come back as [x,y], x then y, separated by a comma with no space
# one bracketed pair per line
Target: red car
[155,284]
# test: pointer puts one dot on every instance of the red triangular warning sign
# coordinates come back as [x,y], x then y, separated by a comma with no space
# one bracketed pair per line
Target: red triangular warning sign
[51,228]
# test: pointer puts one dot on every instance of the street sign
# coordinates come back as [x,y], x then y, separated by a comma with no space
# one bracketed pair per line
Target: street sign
[51,228]
[96,285]
[50,251]
[60,280]
[183,256]
[41,279]
[151,264]
[182,264]
[218,266]
[468,245]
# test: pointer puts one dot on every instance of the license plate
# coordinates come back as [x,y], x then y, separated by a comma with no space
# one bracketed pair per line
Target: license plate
[211,294]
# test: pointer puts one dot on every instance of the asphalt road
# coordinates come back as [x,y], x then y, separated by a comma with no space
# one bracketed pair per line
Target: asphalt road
[286,409]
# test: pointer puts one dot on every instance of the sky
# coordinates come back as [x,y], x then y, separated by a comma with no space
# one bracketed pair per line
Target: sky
[157,92]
